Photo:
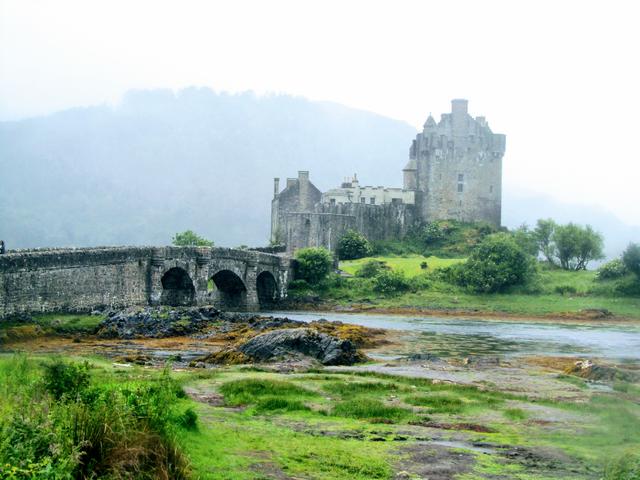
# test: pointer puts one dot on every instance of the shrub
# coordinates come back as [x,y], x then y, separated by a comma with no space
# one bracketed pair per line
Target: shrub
[631,258]
[189,238]
[188,419]
[497,263]
[313,264]
[353,245]
[566,289]
[612,270]
[65,379]
[624,467]
[390,282]
[299,285]
[628,286]
[371,268]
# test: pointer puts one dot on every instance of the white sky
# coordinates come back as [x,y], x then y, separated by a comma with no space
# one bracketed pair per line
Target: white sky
[560,78]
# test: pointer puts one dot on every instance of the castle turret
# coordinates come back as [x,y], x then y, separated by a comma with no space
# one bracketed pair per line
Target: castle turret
[410,174]
[457,168]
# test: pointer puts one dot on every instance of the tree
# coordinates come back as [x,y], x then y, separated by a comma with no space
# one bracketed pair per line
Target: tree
[189,238]
[526,239]
[496,264]
[631,258]
[543,234]
[313,264]
[353,245]
[576,246]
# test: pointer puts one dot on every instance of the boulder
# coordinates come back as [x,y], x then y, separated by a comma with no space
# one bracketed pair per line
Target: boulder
[327,349]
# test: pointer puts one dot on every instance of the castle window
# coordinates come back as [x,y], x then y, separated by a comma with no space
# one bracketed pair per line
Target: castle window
[460,182]
[460,187]
[373,200]
[461,177]
[332,201]
[491,189]
[363,200]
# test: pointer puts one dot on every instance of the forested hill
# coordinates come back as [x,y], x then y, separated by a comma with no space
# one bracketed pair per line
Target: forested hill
[163,162]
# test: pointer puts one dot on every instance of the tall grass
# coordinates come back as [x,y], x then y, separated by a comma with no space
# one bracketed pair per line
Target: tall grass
[56,422]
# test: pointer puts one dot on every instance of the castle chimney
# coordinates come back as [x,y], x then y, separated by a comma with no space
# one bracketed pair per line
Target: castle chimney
[291,182]
[276,187]
[303,190]
[459,116]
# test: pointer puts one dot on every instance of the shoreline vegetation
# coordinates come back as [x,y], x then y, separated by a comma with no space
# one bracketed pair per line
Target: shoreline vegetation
[450,268]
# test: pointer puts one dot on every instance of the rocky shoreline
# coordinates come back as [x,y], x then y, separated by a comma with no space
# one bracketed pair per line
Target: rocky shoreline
[246,338]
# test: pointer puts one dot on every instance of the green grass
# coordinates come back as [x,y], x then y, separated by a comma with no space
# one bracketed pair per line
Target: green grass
[409,264]
[369,409]
[515,414]
[321,424]
[437,403]
[554,292]
[50,324]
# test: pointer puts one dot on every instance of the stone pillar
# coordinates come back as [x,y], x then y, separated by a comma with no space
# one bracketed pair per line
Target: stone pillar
[252,303]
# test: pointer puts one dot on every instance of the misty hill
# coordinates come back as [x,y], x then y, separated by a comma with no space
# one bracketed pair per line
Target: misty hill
[163,162]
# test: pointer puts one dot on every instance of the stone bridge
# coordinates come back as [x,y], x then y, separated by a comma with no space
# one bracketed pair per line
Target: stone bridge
[80,280]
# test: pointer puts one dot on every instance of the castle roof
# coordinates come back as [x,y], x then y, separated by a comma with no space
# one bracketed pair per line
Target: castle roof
[411,165]
[430,122]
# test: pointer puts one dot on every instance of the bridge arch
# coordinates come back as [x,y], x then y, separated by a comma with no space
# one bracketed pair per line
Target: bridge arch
[230,291]
[267,289]
[177,288]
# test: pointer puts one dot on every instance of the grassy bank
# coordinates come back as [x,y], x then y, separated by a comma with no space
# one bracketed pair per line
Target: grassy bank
[248,424]
[554,292]
[243,423]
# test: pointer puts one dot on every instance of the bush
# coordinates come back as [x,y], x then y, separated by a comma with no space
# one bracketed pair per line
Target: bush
[313,264]
[612,270]
[566,289]
[66,379]
[189,238]
[497,263]
[390,283]
[96,431]
[371,268]
[353,245]
[299,285]
[624,467]
[631,258]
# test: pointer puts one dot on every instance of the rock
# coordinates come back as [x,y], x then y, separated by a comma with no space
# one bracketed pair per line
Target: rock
[595,313]
[430,357]
[156,322]
[325,348]
[601,373]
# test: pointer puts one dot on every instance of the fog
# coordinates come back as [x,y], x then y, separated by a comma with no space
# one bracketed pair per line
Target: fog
[340,87]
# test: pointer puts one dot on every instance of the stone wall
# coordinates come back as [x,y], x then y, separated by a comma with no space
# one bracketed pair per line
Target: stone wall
[79,280]
[328,223]
[73,280]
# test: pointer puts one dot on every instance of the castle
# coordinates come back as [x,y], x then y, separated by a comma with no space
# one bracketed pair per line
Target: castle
[454,172]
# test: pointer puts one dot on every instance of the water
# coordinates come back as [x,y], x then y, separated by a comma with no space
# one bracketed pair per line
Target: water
[458,337]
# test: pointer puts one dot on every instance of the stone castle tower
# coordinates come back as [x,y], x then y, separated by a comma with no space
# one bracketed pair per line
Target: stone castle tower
[454,172]
[455,168]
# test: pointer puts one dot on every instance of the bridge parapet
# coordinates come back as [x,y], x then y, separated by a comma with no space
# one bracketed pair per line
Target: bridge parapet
[82,279]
